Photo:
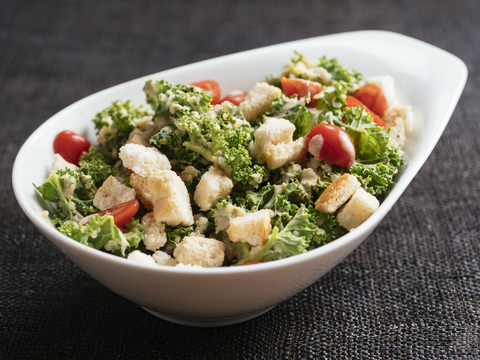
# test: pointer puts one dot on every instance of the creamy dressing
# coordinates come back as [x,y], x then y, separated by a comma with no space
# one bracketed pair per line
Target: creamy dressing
[278,190]
[69,185]
[315,145]
[347,146]
[288,105]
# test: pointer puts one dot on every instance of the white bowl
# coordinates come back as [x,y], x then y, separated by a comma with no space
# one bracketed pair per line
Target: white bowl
[429,79]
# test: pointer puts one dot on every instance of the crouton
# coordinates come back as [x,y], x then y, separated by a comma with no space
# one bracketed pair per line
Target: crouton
[258,100]
[140,184]
[358,209]
[155,236]
[387,84]
[337,193]
[112,193]
[170,199]
[281,154]
[141,258]
[253,228]
[202,223]
[399,119]
[201,251]
[143,160]
[59,163]
[162,258]
[213,185]
[272,132]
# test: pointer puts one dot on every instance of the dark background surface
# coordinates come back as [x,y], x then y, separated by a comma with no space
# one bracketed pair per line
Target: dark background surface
[411,290]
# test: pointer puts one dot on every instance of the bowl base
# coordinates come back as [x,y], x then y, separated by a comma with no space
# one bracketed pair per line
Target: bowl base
[208,322]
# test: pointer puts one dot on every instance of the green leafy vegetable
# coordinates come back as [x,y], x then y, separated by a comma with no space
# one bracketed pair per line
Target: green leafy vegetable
[339,72]
[295,111]
[115,123]
[172,102]
[293,239]
[101,231]
[223,140]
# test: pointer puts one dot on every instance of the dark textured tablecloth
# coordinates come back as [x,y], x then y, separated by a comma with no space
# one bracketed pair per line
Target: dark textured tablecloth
[411,290]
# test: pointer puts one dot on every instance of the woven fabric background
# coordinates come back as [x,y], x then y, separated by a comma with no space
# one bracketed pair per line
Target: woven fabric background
[410,291]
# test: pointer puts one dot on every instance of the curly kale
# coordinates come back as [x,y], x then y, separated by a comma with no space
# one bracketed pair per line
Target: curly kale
[115,123]
[332,98]
[339,72]
[74,190]
[314,70]
[295,111]
[101,232]
[96,165]
[172,102]
[223,140]
[285,241]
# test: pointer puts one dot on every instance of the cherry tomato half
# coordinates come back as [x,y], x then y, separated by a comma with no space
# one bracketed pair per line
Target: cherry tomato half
[331,144]
[354,102]
[373,98]
[70,145]
[235,97]
[212,88]
[301,88]
[122,213]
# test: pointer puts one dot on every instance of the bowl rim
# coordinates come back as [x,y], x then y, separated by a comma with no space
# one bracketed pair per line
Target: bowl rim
[363,230]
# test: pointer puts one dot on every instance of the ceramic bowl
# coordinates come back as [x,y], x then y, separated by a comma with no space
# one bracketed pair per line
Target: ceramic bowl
[428,78]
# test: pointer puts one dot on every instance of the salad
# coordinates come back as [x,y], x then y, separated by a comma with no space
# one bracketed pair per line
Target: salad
[194,179]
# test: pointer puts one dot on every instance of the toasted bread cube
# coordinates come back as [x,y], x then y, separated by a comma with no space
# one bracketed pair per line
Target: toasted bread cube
[387,84]
[161,258]
[112,193]
[337,193]
[141,258]
[201,251]
[398,119]
[258,100]
[140,184]
[59,163]
[213,185]
[142,160]
[272,132]
[358,209]
[155,236]
[279,155]
[252,228]
[170,199]
[201,223]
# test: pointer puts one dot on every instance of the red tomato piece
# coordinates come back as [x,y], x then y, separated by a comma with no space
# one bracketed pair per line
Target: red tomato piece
[212,88]
[301,88]
[70,145]
[235,97]
[354,102]
[331,144]
[122,213]
[373,98]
